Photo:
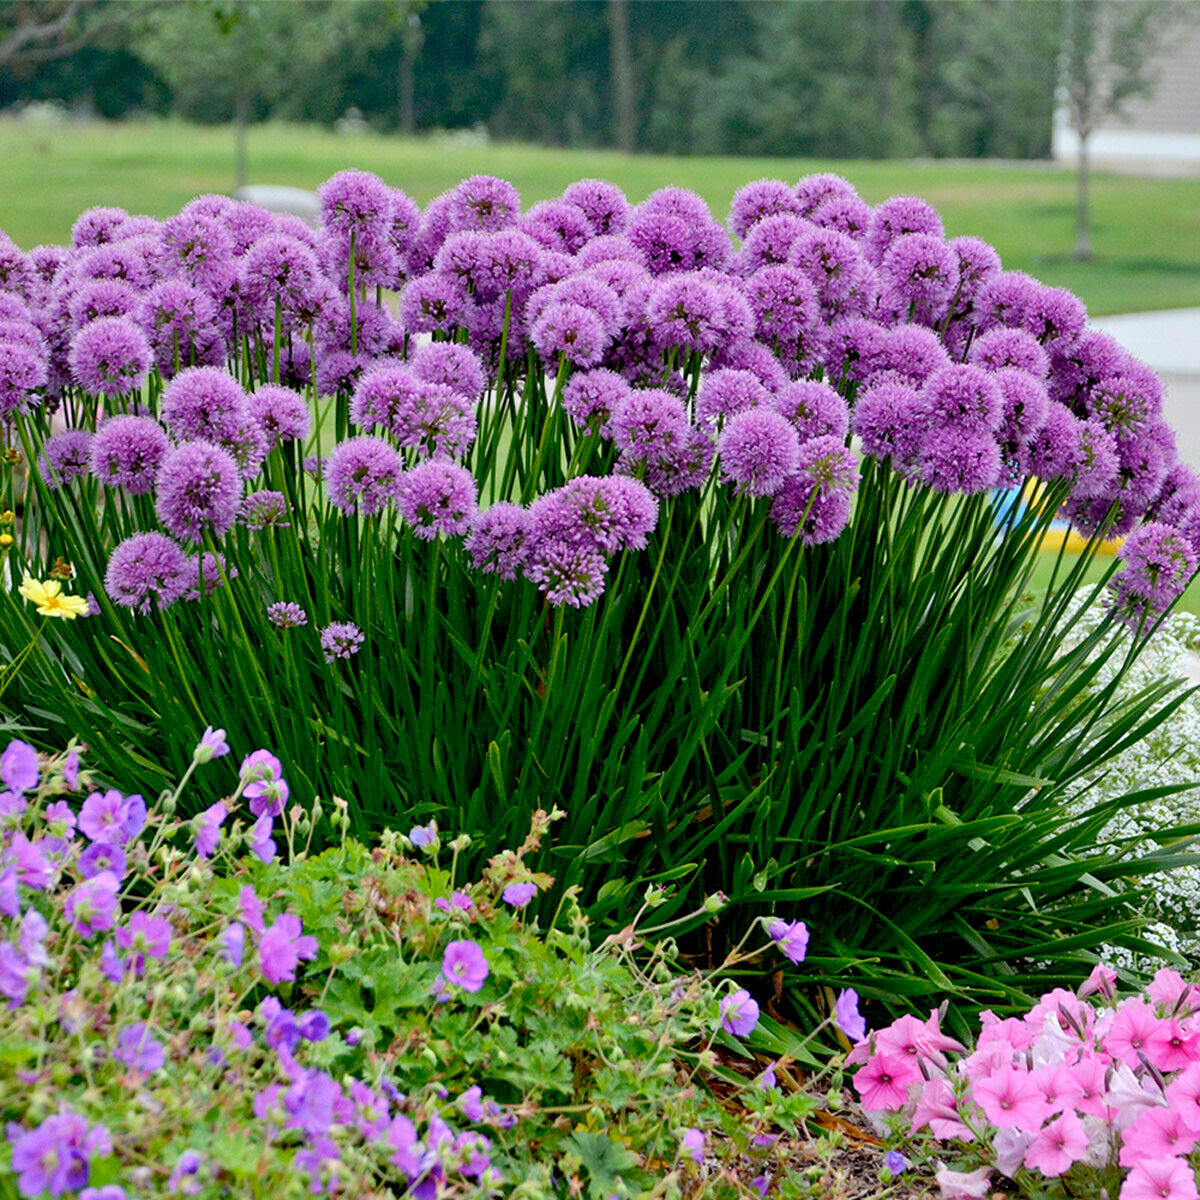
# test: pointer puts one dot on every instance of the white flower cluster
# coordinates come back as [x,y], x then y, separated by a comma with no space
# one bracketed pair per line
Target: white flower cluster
[1170,756]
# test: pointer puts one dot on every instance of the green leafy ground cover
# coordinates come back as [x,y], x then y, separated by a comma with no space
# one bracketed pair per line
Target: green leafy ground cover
[1146,231]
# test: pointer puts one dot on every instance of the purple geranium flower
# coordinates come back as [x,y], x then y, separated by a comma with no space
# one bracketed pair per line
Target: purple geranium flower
[464,965]
[282,947]
[55,1156]
[791,938]
[739,1013]
[265,786]
[519,894]
[137,1049]
[19,767]
[91,906]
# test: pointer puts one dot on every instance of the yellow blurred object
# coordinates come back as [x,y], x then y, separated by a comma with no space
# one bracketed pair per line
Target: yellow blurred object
[1061,536]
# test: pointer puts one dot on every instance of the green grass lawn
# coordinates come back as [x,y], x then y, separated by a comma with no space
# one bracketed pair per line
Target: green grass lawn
[1146,231]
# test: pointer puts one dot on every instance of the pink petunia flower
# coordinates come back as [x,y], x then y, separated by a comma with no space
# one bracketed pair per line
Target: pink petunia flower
[1057,1146]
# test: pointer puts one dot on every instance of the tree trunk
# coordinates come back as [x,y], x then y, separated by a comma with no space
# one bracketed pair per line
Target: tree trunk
[621,67]
[1083,215]
[241,115]
[412,38]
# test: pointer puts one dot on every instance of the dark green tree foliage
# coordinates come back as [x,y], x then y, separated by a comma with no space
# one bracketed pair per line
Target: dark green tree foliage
[957,78]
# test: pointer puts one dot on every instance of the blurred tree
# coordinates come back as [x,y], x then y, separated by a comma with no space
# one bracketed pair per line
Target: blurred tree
[985,79]
[1108,57]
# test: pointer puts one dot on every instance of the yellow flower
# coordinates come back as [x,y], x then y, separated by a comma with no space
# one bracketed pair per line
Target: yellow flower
[5,541]
[49,599]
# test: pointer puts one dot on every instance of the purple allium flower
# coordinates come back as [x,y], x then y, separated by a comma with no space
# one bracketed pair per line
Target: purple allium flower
[98,298]
[265,787]
[100,856]
[978,265]
[203,404]
[436,497]
[195,247]
[137,1049]
[813,409]
[206,829]
[1159,561]
[832,262]
[557,226]
[279,413]
[762,198]
[691,1145]
[24,333]
[19,766]
[572,331]
[1053,451]
[738,1013]
[354,202]
[208,572]
[602,203]
[826,464]
[96,226]
[813,190]
[519,894]
[801,509]
[65,457]
[341,639]
[453,365]
[921,270]
[785,304]
[896,217]
[464,965]
[147,570]
[286,614]
[790,937]
[591,397]
[770,240]
[568,573]
[1025,404]
[1126,404]
[198,491]
[282,947]
[248,447]
[265,510]
[607,253]
[847,1016]
[855,350]
[110,357]
[1005,347]
[91,906]
[1055,316]
[22,373]
[850,215]
[127,452]
[55,1156]
[435,304]
[674,230]
[649,422]
[956,458]
[964,397]
[246,223]
[496,541]
[362,475]
[484,202]
[758,449]
[281,270]
[727,391]
[754,357]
